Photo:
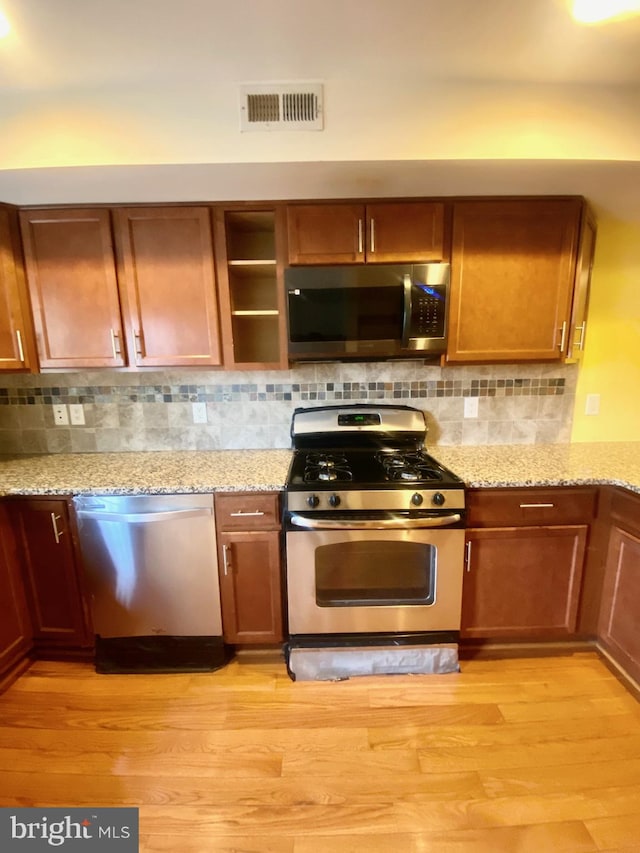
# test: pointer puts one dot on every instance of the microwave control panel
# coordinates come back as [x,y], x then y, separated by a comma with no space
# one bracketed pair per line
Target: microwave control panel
[427,311]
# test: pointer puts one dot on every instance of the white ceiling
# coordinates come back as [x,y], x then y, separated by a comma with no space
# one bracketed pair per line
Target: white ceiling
[411,53]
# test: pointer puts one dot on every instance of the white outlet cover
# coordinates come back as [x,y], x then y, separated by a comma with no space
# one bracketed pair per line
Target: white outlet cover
[471,407]
[76,413]
[60,415]
[592,404]
[199,413]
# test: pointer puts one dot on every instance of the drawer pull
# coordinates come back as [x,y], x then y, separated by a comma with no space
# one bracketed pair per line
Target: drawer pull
[56,533]
[243,514]
[537,506]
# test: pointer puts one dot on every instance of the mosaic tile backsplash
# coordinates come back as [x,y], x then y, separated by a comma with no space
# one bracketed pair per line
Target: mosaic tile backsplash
[154,411]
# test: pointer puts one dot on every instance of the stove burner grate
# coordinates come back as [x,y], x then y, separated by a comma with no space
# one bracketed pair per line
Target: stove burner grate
[409,467]
[326,467]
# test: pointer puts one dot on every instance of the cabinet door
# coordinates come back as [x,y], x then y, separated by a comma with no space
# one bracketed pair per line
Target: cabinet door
[522,582]
[250,587]
[619,625]
[326,233]
[15,628]
[71,273]
[49,558]
[586,251]
[168,273]
[512,273]
[16,334]
[405,232]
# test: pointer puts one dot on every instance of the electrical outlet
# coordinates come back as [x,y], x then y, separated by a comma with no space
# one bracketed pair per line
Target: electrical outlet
[199,413]
[471,407]
[76,413]
[592,404]
[60,415]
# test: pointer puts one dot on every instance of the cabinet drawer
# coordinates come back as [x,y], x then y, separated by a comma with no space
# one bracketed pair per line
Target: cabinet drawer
[248,511]
[529,507]
[625,510]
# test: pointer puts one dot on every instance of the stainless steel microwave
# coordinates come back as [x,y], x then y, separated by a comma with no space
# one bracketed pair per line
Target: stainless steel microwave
[367,312]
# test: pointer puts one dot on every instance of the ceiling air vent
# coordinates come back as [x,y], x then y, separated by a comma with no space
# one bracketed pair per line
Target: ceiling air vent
[281,106]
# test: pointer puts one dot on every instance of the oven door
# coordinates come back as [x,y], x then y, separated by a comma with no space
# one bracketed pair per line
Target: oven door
[369,581]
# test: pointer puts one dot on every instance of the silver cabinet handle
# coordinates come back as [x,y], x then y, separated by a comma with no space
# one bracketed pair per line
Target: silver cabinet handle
[536,506]
[56,533]
[115,344]
[467,556]
[243,514]
[137,336]
[580,344]
[373,235]
[360,237]
[20,347]
[226,562]
[563,336]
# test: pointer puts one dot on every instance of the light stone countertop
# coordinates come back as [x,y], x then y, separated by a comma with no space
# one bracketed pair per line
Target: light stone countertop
[163,472]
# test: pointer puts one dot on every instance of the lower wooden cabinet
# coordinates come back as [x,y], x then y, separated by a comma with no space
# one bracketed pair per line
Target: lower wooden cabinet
[619,626]
[523,582]
[15,625]
[525,556]
[51,573]
[249,559]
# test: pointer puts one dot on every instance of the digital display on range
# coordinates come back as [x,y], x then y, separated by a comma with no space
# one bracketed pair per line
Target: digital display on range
[359,419]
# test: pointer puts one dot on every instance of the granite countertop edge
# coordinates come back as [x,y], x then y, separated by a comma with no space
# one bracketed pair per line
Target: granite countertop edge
[199,472]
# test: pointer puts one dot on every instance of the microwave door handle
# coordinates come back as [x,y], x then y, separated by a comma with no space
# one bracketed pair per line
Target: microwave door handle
[406,319]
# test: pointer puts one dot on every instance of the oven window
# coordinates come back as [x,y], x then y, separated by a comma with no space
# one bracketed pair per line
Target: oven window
[375,573]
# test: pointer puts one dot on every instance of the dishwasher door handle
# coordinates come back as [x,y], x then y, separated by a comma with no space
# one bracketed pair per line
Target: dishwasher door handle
[143,517]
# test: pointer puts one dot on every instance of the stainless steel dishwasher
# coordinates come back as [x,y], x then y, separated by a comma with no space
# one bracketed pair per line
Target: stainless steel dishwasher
[151,567]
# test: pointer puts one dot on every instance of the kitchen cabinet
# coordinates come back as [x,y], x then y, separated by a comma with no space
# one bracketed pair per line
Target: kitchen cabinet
[71,274]
[249,558]
[17,346]
[525,552]
[167,281]
[383,232]
[250,261]
[513,266]
[51,569]
[582,285]
[156,288]
[15,626]
[619,624]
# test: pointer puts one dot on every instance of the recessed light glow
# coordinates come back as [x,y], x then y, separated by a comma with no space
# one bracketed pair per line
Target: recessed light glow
[595,11]
[5,26]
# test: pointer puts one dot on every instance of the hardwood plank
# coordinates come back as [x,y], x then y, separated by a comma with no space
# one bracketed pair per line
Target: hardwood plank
[557,777]
[235,844]
[406,737]
[616,832]
[565,837]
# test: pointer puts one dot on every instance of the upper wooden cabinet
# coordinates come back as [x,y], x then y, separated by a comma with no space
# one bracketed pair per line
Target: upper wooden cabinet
[17,350]
[161,291]
[250,260]
[513,264]
[586,251]
[71,274]
[386,232]
[168,285]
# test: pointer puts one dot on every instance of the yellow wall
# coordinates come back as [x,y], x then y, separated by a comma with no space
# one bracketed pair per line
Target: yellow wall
[611,365]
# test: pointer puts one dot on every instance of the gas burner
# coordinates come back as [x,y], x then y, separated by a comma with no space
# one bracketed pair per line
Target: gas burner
[408,467]
[326,467]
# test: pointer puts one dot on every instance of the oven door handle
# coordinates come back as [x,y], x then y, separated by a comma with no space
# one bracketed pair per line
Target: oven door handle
[373,524]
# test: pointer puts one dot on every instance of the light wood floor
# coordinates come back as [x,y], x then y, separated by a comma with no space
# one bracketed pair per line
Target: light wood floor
[530,756]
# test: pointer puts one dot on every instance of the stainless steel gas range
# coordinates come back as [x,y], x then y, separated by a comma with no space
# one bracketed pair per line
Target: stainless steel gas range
[374,531]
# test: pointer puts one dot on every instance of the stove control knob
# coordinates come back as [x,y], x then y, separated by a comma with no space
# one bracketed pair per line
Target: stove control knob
[438,499]
[334,500]
[416,499]
[313,501]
